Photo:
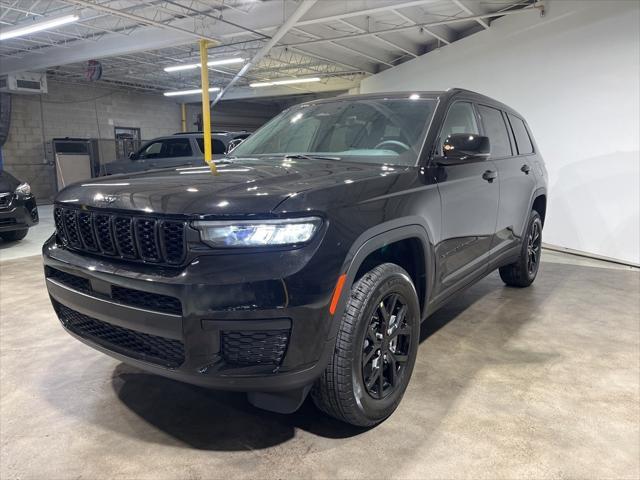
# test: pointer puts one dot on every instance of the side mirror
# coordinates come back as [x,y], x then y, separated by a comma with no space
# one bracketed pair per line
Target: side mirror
[133,156]
[233,144]
[464,147]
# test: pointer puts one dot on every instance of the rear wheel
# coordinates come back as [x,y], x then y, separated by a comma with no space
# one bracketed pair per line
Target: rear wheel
[14,235]
[523,272]
[375,350]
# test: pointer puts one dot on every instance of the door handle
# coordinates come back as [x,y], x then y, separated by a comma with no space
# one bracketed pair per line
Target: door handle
[525,169]
[490,175]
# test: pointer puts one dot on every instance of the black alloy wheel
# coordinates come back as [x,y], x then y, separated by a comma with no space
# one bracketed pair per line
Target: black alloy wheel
[534,243]
[524,270]
[386,347]
[376,349]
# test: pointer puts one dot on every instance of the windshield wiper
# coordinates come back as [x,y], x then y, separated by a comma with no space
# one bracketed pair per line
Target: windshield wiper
[310,157]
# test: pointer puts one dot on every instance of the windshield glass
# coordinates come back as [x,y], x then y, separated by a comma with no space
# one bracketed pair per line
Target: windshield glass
[372,130]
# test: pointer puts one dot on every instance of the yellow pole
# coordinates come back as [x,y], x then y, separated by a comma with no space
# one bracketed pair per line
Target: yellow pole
[183,109]
[206,110]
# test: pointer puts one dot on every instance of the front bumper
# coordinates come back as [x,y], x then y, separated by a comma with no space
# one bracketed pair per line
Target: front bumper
[18,213]
[231,322]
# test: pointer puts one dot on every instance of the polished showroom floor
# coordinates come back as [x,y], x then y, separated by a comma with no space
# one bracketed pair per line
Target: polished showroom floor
[541,383]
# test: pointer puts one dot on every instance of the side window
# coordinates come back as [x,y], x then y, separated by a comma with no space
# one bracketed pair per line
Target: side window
[522,136]
[496,130]
[152,150]
[176,147]
[217,146]
[460,119]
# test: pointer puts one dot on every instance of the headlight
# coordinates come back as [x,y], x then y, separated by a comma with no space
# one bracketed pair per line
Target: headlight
[23,189]
[256,233]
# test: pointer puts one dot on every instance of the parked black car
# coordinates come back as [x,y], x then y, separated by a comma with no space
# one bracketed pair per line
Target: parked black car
[178,150]
[18,210]
[309,260]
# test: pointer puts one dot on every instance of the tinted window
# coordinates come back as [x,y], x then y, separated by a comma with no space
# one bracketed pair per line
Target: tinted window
[217,146]
[523,141]
[496,130]
[151,150]
[460,119]
[176,147]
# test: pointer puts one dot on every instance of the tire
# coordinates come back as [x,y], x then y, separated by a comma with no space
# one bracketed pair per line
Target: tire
[14,235]
[523,272]
[363,354]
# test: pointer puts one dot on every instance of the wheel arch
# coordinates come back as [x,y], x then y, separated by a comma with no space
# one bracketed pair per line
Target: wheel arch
[410,229]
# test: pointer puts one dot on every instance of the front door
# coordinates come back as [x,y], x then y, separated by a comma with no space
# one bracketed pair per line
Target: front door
[469,193]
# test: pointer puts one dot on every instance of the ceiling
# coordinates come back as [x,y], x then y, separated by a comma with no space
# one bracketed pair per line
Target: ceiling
[339,41]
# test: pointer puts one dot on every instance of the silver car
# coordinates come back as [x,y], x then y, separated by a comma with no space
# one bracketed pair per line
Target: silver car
[181,149]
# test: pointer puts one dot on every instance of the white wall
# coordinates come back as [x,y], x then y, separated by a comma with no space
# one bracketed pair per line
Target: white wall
[575,76]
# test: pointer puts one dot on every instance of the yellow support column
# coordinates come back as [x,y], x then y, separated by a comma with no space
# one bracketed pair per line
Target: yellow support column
[206,109]
[183,110]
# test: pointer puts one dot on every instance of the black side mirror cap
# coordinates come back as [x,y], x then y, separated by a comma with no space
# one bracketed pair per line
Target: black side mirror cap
[464,147]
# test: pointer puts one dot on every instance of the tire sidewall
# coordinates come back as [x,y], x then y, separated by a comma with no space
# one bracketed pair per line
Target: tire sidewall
[378,409]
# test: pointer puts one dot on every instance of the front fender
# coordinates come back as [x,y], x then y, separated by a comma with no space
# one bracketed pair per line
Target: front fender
[375,238]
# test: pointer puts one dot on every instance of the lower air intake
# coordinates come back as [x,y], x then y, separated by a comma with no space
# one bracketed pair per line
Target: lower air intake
[162,351]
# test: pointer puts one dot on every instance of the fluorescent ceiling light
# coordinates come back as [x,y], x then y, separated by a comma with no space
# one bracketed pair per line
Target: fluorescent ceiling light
[226,61]
[177,68]
[284,82]
[212,63]
[188,92]
[38,26]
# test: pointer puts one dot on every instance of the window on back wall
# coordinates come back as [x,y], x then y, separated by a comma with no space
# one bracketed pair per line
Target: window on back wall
[127,141]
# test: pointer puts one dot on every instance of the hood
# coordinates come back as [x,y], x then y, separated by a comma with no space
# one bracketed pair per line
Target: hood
[243,187]
[8,183]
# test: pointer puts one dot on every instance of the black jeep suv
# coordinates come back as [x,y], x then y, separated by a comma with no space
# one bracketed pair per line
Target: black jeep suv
[18,210]
[308,260]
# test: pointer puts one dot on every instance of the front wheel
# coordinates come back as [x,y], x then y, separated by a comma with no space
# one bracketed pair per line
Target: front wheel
[523,272]
[375,349]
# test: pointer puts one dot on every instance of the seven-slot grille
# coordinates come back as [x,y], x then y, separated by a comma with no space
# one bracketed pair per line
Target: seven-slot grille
[130,237]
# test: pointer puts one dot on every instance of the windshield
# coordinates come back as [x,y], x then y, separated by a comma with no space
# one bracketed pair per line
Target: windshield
[372,130]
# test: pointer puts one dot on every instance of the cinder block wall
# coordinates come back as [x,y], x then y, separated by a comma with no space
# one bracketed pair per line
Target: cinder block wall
[83,111]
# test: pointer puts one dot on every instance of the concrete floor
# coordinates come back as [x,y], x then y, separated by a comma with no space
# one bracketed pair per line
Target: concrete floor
[540,383]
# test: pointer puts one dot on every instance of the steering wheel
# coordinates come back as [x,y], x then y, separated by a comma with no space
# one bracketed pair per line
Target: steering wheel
[393,143]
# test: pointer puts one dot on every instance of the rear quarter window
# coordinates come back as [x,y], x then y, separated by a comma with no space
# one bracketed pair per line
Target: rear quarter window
[217,146]
[523,141]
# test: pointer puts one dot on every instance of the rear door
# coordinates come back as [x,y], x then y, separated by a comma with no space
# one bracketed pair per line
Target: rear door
[516,179]
[469,195]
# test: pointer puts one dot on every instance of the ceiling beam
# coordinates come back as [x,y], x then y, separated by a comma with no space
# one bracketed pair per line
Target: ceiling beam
[110,45]
[365,55]
[467,10]
[360,13]
[282,31]
[396,46]
[389,43]
[425,29]
[410,27]
[139,19]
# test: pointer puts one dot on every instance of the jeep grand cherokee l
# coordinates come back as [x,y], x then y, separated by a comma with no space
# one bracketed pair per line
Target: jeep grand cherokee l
[308,261]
